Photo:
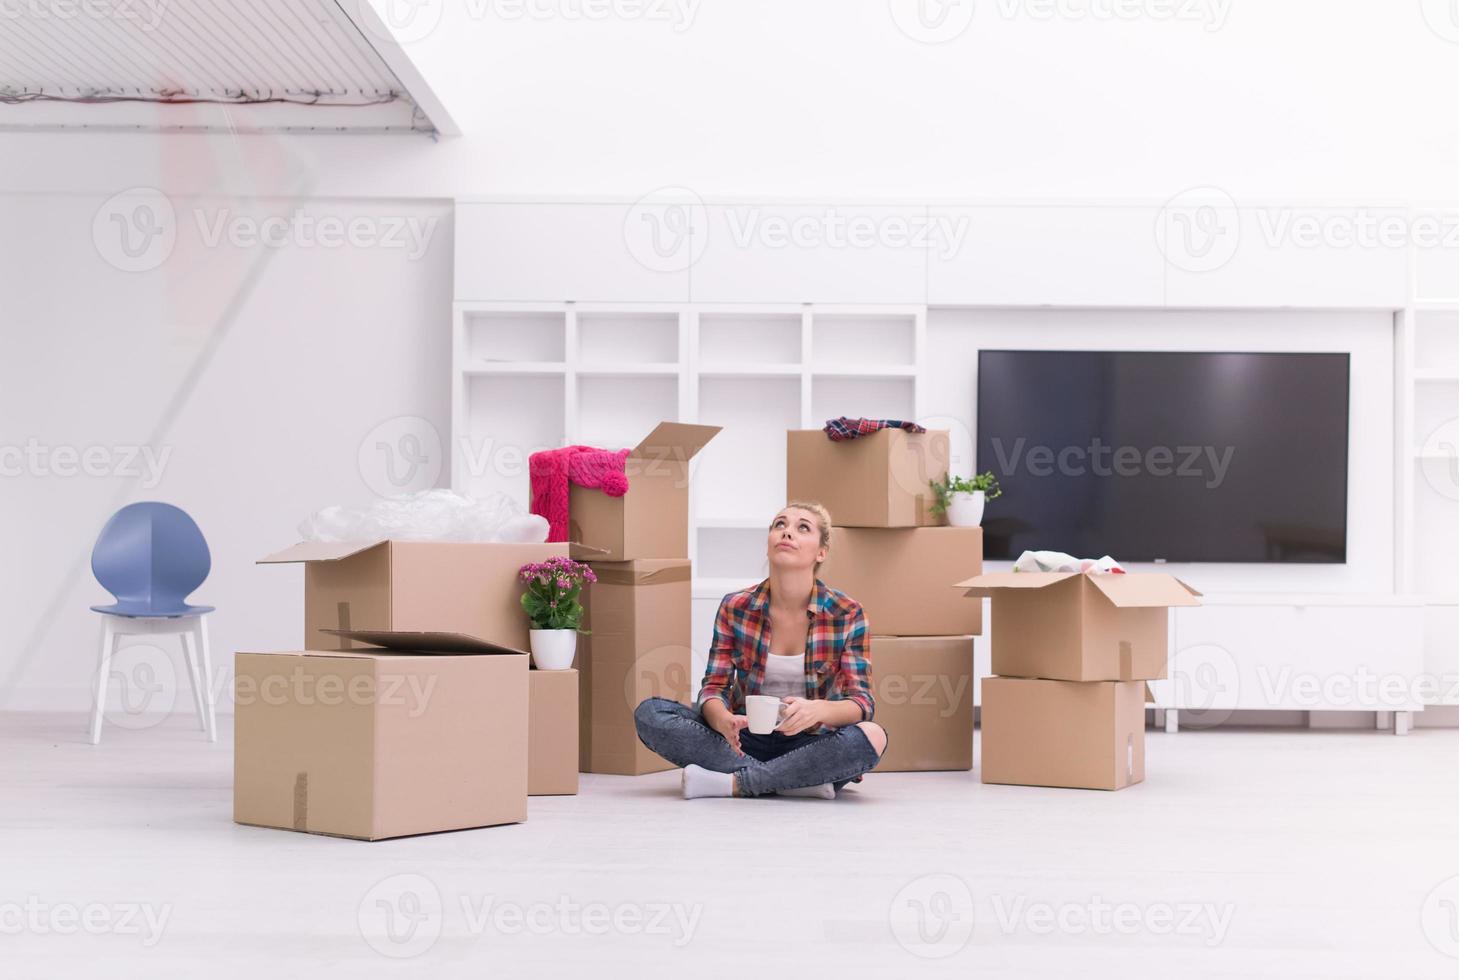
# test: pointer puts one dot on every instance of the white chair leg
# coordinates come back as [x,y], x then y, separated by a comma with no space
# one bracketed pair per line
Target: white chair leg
[1402,722]
[1172,720]
[190,654]
[1382,720]
[205,665]
[103,677]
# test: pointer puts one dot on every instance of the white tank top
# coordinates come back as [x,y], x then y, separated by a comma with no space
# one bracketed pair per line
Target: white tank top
[784,675]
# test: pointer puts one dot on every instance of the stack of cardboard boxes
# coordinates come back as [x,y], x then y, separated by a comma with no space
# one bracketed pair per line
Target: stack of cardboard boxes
[1072,653]
[890,552]
[638,612]
[409,707]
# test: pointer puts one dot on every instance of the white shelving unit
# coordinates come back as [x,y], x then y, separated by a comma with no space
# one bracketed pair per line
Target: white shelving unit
[530,376]
[1426,354]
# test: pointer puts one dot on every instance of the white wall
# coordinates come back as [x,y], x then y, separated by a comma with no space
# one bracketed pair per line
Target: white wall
[259,372]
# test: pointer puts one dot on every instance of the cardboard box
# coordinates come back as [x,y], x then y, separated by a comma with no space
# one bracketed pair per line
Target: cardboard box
[1063,733]
[552,736]
[445,586]
[876,480]
[923,687]
[1076,627]
[901,577]
[638,615]
[652,519]
[377,744]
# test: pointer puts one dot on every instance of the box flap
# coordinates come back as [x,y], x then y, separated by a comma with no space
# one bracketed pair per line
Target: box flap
[678,441]
[1144,590]
[409,641]
[1192,591]
[318,551]
[989,581]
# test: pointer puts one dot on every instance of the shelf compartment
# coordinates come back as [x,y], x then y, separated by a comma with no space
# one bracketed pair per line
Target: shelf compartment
[508,418]
[870,341]
[1436,526]
[513,337]
[873,398]
[734,556]
[765,339]
[628,338]
[1436,414]
[723,370]
[1436,343]
[617,412]
[627,370]
[497,368]
[742,470]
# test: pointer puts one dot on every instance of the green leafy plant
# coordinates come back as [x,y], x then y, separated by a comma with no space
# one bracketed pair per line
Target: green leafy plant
[986,482]
[554,587]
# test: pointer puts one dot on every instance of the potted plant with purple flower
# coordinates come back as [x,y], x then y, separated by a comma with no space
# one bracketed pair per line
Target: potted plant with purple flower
[553,604]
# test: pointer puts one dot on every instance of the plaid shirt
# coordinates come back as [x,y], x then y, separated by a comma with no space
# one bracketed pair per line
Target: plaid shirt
[845,427]
[836,663]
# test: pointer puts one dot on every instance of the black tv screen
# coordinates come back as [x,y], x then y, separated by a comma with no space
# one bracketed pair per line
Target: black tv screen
[1182,457]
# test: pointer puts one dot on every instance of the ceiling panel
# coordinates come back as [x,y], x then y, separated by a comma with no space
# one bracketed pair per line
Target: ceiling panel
[95,63]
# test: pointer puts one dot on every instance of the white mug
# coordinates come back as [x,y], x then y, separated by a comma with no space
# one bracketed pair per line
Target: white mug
[763,712]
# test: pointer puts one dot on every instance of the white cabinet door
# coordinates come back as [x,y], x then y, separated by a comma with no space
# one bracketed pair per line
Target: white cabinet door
[774,253]
[1226,255]
[1040,255]
[1302,658]
[586,252]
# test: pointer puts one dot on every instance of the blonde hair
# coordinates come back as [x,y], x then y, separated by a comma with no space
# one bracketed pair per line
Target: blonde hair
[823,518]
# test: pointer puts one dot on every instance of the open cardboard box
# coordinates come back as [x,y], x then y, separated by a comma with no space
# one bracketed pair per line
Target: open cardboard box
[440,586]
[877,480]
[373,744]
[1081,627]
[651,520]
[1063,733]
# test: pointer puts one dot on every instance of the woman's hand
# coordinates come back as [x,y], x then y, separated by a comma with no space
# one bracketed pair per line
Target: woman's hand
[801,714]
[727,724]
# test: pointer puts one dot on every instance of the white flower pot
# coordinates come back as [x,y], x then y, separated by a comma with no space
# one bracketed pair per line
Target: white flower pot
[553,649]
[965,509]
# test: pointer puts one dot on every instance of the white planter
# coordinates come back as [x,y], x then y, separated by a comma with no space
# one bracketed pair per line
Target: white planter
[965,509]
[553,649]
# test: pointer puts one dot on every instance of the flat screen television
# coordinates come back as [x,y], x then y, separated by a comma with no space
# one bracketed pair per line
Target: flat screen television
[1168,456]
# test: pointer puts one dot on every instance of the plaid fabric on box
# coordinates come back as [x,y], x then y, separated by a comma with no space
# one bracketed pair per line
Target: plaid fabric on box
[848,428]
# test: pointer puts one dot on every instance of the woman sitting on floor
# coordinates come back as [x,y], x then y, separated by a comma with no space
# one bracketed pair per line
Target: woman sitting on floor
[791,637]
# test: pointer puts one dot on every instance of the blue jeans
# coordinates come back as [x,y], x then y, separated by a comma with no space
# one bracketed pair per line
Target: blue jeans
[770,763]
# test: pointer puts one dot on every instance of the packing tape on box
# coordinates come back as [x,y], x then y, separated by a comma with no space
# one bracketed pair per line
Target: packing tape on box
[301,801]
[647,576]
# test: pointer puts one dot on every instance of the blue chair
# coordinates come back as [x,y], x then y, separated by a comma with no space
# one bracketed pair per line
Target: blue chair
[151,556]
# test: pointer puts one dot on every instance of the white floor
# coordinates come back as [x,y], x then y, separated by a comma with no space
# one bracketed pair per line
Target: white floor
[1244,854]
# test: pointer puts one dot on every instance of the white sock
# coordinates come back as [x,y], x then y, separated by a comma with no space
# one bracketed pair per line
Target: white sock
[825,791]
[699,781]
